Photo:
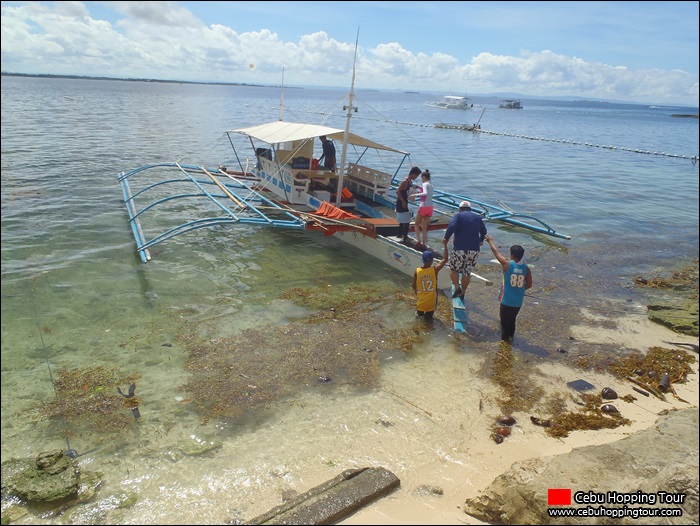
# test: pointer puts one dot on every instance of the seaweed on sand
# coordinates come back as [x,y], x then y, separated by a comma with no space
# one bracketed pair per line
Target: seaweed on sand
[332,299]
[341,342]
[509,374]
[646,368]
[90,395]
[588,417]
[650,367]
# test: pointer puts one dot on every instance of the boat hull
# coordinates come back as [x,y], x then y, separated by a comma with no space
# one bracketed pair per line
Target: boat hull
[393,253]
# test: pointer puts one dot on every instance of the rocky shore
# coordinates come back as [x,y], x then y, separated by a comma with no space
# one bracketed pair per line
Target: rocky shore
[670,477]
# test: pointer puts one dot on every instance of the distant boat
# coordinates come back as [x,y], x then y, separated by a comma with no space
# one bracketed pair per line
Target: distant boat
[465,127]
[452,102]
[511,104]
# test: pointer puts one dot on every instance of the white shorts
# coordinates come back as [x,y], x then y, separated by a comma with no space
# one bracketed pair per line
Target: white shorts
[403,217]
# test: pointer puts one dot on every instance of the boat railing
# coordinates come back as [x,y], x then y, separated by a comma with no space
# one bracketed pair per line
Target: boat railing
[294,184]
[367,182]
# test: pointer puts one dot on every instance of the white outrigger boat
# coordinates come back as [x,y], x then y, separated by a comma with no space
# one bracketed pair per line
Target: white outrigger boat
[281,185]
[452,102]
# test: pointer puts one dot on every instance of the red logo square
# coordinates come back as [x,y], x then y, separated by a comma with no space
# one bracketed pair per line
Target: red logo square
[559,497]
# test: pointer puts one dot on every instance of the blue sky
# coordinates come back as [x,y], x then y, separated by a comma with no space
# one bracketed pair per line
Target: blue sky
[643,52]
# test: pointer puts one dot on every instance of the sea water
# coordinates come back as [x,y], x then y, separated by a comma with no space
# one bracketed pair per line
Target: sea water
[618,178]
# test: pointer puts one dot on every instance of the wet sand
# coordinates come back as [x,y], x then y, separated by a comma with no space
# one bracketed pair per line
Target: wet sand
[465,472]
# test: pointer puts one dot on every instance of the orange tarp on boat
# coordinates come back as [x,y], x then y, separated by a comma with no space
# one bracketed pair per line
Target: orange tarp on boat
[333,212]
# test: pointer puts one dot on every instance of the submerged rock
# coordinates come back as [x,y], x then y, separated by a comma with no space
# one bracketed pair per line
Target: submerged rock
[506,420]
[431,491]
[608,393]
[51,476]
[540,422]
[503,431]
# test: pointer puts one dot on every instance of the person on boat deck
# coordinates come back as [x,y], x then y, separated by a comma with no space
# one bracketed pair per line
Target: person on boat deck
[425,210]
[425,281]
[328,155]
[517,278]
[469,231]
[403,215]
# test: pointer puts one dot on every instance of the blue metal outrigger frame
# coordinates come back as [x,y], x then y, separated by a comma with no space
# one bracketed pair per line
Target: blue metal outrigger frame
[248,206]
[488,211]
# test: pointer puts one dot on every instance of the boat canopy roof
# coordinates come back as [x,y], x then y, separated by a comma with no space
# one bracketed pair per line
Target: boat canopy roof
[282,131]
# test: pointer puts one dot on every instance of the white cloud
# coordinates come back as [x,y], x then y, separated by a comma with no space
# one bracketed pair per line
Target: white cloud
[166,41]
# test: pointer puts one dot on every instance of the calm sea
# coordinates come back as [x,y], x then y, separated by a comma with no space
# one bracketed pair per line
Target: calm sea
[618,178]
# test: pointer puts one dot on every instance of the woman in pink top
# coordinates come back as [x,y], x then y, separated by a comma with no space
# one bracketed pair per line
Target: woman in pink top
[425,210]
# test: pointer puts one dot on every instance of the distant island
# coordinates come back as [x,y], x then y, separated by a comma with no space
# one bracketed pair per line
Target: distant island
[83,77]
[492,95]
[685,115]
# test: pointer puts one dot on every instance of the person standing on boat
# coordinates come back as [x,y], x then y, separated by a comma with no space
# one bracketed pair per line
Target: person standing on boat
[425,210]
[403,215]
[328,155]
[469,231]
[425,281]
[517,278]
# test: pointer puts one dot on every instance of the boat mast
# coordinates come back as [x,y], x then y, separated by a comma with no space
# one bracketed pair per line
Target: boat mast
[282,95]
[477,122]
[341,176]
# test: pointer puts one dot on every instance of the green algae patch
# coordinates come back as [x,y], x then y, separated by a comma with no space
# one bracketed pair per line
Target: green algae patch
[673,299]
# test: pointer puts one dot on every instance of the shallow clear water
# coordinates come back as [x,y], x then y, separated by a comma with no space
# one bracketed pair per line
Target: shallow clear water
[75,294]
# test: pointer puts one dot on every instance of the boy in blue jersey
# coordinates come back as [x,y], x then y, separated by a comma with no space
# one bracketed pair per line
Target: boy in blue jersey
[517,278]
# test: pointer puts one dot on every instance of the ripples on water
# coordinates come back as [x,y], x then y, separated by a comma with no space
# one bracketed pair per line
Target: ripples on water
[75,294]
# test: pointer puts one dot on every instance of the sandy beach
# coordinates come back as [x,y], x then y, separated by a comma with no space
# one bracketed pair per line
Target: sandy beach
[472,466]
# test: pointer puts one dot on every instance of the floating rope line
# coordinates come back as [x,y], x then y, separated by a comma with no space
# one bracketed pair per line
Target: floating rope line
[468,127]
[693,158]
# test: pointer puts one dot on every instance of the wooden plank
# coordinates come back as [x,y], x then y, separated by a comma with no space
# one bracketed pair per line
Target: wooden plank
[459,313]
[334,500]
[381,221]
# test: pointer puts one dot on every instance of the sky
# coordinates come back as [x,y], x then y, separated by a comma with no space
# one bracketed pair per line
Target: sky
[641,52]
